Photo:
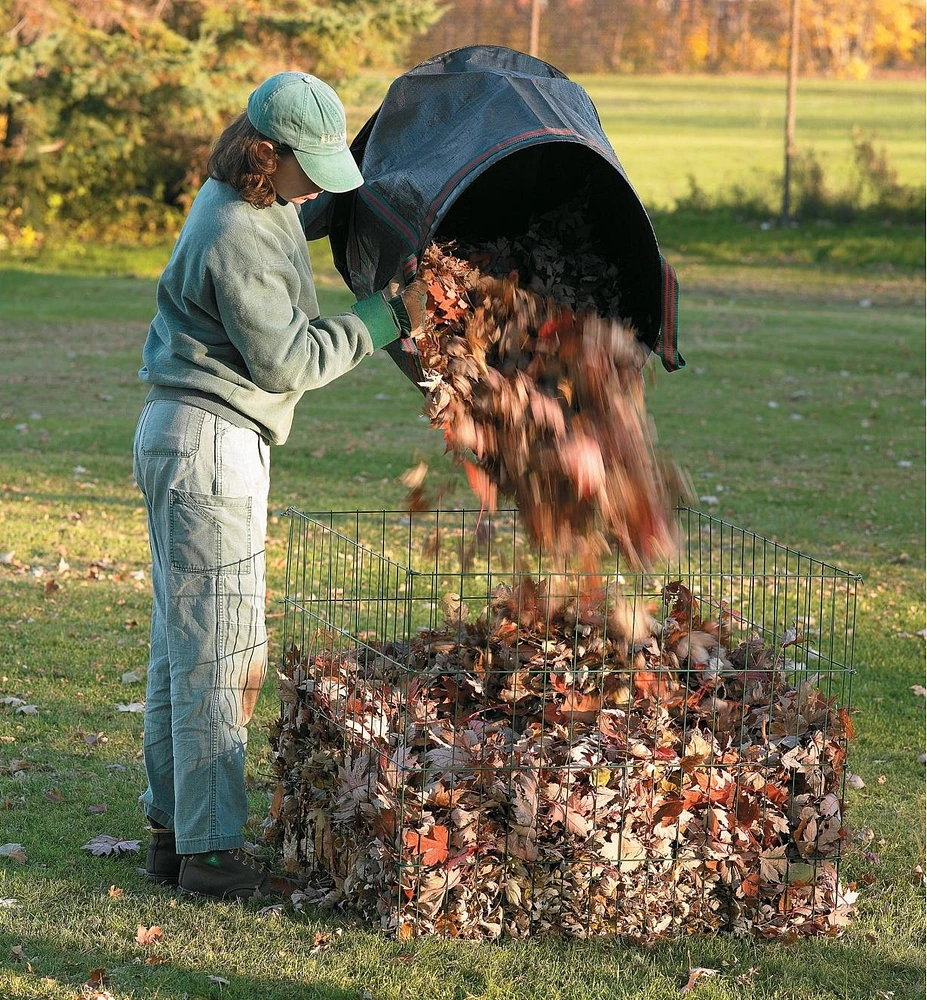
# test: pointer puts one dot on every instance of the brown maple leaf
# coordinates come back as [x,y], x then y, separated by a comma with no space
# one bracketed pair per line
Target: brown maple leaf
[147,936]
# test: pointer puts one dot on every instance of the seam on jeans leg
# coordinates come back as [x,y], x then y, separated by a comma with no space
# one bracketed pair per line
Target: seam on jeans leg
[214,721]
[218,485]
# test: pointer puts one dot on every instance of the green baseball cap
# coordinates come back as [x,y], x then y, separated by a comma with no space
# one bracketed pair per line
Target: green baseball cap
[304,113]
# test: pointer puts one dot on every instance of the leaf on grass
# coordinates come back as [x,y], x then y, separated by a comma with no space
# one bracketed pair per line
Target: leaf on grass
[695,976]
[131,677]
[115,892]
[134,706]
[221,980]
[148,936]
[103,845]
[17,954]
[855,781]
[8,903]
[97,977]
[11,702]
[15,852]
[94,739]
[27,710]
[920,690]
[54,795]
[97,809]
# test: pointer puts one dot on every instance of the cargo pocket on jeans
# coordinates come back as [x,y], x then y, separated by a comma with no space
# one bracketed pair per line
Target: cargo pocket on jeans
[210,534]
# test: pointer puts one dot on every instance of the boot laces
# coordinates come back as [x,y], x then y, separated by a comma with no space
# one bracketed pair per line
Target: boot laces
[246,859]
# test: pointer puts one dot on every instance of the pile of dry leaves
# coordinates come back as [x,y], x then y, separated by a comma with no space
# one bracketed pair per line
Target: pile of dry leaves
[538,390]
[569,763]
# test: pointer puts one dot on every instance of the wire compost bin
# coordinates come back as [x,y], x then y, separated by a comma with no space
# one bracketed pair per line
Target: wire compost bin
[477,742]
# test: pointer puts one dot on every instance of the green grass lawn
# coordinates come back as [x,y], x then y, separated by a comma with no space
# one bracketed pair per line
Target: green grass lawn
[801,413]
[728,130]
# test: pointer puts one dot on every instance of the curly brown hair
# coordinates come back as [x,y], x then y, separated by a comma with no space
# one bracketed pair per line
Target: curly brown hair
[237,159]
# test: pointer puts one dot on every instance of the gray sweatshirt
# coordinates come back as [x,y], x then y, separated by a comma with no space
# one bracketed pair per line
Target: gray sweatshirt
[238,331]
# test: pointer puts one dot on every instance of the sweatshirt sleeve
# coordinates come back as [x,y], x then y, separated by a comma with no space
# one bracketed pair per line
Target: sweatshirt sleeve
[283,349]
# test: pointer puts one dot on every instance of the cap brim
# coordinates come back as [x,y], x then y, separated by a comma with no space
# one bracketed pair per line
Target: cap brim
[335,172]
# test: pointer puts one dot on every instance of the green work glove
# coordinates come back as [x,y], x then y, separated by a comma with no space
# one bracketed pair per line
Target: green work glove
[409,308]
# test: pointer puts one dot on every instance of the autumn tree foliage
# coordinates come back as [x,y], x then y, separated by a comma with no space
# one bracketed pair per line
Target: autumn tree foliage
[108,109]
[839,37]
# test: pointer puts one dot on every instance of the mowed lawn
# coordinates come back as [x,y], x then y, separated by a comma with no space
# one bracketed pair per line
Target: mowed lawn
[800,416]
[726,131]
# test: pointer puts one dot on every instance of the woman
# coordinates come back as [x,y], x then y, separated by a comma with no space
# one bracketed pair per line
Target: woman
[236,342]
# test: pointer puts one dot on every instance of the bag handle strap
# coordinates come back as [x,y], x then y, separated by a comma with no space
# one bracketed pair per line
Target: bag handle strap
[666,344]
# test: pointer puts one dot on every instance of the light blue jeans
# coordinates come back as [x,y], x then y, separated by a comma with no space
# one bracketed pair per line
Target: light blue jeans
[205,483]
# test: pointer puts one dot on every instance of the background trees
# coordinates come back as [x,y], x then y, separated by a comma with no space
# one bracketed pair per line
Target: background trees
[108,107]
[847,37]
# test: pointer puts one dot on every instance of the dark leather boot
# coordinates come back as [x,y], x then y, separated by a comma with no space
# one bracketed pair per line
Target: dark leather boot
[162,863]
[233,874]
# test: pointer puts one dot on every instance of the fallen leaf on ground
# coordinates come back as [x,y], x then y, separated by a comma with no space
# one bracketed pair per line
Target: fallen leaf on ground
[103,845]
[15,852]
[96,809]
[27,710]
[54,795]
[221,980]
[131,677]
[93,739]
[325,939]
[746,978]
[695,975]
[115,892]
[149,935]
[97,977]
[919,689]
[17,954]
[135,706]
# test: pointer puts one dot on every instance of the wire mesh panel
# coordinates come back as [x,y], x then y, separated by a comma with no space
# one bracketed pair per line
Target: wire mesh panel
[475,741]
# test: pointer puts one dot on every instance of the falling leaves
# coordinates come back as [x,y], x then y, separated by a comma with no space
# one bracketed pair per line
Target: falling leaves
[103,845]
[540,399]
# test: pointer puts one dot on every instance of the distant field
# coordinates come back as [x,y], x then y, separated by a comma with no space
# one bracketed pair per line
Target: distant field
[729,130]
